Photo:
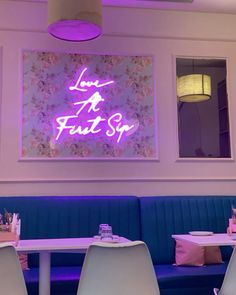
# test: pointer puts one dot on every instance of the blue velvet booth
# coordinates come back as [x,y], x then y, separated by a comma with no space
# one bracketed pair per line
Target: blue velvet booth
[163,216]
[59,217]
[151,219]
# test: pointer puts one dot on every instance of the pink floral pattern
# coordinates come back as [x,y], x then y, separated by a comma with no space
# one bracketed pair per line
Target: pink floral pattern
[46,78]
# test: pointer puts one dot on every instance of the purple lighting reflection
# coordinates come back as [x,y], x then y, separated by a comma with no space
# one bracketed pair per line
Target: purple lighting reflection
[74,30]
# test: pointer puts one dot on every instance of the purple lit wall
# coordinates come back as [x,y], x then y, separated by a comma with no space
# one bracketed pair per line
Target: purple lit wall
[87,106]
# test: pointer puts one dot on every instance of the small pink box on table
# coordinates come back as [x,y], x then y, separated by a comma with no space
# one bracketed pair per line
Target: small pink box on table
[232,226]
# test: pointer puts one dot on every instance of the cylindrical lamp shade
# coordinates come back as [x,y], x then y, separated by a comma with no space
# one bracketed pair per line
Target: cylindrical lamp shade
[194,88]
[75,20]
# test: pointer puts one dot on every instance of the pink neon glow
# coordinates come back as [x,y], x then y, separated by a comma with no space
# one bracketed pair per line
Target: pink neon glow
[93,100]
[120,129]
[112,126]
[81,85]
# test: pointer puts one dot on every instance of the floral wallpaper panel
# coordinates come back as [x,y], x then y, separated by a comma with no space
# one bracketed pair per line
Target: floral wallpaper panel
[87,106]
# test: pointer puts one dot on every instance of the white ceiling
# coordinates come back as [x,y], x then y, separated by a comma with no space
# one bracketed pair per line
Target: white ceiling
[218,6]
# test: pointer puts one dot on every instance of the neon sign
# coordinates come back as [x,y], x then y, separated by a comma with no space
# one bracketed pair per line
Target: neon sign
[113,126]
[79,85]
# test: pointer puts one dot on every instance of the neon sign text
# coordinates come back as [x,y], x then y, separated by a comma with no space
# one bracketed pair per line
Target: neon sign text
[93,100]
[80,84]
[75,124]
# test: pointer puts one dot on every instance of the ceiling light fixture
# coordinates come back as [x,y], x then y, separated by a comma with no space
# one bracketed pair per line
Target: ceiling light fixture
[75,20]
[194,88]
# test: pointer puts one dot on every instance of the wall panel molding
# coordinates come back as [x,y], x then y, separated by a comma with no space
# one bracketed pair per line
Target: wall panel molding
[109,180]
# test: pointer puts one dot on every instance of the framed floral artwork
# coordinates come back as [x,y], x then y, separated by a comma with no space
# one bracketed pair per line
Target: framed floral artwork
[85,106]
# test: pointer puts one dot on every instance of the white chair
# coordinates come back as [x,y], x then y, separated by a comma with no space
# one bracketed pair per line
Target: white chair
[115,269]
[11,277]
[229,283]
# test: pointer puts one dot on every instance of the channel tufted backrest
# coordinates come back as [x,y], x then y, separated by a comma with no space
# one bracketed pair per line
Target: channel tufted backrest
[72,216]
[163,216]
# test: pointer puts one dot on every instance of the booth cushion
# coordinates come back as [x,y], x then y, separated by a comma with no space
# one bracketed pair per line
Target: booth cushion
[187,253]
[189,279]
[212,255]
[64,280]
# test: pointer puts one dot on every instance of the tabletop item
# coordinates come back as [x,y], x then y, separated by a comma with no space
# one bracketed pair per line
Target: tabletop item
[234,213]
[201,233]
[105,232]
[10,225]
[232,226]
[101,226]
[115,239]
[232,223]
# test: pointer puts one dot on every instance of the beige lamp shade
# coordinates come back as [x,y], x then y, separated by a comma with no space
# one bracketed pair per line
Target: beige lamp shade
[75,20]
[194,88]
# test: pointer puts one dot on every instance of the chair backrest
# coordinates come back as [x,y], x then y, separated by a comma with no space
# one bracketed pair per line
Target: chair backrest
[11,276]
[229,283]
[124,268]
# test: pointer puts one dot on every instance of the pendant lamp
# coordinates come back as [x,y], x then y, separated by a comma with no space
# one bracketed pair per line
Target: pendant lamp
[194,88]
[75,20]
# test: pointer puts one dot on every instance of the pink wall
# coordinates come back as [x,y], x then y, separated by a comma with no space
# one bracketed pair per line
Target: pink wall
[161,34]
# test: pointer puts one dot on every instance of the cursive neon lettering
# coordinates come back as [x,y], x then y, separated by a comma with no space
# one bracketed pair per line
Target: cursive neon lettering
[110,126]
[92,129]
[81,85]
[114,123]
[119,128]
[93,100]
[62,121]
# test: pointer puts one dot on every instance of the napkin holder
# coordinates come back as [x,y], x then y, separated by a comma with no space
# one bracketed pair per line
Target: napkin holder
[9,233]
[6,235]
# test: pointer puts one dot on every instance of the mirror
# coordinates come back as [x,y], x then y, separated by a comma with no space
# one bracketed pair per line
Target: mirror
[203,117]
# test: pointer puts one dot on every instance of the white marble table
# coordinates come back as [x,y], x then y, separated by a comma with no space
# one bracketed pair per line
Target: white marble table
[46,246]
[211,240]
